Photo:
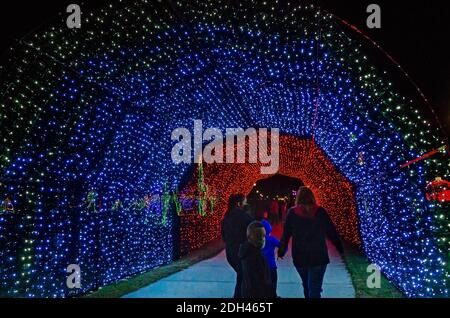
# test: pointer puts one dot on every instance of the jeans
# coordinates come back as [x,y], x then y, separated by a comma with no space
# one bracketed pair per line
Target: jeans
[312,279]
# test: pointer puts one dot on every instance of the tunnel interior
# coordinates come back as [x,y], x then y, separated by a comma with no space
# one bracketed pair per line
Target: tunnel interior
[274,187]
[299,159]
[86,175]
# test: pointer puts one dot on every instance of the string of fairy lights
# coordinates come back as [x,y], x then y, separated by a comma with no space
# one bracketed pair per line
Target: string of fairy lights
[86,117]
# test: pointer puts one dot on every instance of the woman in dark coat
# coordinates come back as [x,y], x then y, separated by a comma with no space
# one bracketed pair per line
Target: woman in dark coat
[234,233]
[309,225]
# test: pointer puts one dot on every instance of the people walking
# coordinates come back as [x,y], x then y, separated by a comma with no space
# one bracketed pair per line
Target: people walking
[234,233]
[273,211]
[309,225]
[282,210]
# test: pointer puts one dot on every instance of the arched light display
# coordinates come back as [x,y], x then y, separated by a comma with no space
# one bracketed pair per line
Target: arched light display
[299,159]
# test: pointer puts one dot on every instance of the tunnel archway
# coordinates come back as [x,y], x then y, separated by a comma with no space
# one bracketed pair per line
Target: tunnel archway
[278,187]
[299,158]
[87,115]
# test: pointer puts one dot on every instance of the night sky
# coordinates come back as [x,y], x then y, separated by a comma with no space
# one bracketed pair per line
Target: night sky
[416,34]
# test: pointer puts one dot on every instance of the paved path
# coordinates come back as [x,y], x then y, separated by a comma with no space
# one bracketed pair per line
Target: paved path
[214,278]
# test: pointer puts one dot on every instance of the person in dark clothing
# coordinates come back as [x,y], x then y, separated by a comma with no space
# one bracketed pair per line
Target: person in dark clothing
[283,208]
[256,278]
[269,254]
[309,225]
[248,209]
[234,233]
[273,212]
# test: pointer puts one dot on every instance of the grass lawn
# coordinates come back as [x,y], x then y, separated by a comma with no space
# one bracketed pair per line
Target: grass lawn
[128,285]
[357,264]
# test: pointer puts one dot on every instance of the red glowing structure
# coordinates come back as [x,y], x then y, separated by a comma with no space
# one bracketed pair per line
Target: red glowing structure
[299,158]
[438,190]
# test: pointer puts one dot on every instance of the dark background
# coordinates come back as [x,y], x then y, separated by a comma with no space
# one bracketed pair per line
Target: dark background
[416,34]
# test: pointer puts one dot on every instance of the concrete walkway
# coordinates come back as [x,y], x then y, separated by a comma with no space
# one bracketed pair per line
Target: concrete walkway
[214,278]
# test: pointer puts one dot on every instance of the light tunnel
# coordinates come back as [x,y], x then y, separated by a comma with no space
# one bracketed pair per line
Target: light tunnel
[86,117]
[299,158]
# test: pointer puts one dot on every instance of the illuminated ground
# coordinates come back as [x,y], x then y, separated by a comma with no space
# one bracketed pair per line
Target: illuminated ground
[214,278]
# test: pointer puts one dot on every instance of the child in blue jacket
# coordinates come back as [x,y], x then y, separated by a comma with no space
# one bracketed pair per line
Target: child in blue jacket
[269,254]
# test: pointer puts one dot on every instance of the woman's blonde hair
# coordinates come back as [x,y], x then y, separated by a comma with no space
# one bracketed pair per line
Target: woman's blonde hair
[305,196]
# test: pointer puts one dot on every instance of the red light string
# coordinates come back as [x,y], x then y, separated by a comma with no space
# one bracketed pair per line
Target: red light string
[389,56]
[299,158]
